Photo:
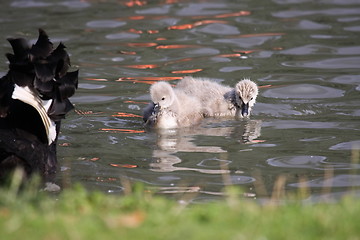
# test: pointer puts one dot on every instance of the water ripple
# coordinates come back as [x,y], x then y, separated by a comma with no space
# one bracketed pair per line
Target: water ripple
[352,28]
[310,25]
[317,139]
[327,12]
[291,124]
[307,91]
[297,161]
[275,109]
[156,10]
[29,4]
[314,49]
[105,24]
[91,86]
[217,28]
[309,162]
[347,79]
[234,69]
[247,42]
[197,9]
[122,35]
[349,19]
[75,4]
[346,146]
[236,179]
[213,162]
[332,63]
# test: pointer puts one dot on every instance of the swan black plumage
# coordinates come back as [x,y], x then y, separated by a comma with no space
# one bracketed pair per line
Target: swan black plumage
[34,98]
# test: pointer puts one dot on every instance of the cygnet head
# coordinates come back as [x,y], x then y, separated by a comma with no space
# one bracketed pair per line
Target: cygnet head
[246,92]
[162,94]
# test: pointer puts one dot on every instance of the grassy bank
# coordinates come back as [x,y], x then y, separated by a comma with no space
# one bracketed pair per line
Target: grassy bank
[78,214]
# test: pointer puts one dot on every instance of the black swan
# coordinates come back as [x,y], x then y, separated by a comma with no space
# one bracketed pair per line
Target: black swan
[34,98]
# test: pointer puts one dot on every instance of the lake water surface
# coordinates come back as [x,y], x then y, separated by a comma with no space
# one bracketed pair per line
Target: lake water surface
[304,55]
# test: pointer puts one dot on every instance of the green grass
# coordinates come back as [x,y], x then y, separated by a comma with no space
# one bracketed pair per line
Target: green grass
[78,214]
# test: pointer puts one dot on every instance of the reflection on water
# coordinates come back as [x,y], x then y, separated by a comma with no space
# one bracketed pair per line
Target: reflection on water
[304,55]
[173,141]
[170,143]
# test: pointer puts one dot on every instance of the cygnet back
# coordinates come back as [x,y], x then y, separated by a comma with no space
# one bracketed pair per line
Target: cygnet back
[220,100]
[211,95]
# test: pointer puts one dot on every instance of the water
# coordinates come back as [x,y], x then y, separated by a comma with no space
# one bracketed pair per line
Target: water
[303,54]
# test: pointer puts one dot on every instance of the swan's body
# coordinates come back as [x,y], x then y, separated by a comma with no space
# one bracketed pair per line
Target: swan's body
[171,108]
[34,98]
[219,100]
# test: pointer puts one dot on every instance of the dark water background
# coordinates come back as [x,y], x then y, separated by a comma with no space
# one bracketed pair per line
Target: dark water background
[304,55]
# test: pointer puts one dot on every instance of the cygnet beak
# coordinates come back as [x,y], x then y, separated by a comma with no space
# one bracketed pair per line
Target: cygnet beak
[245,109]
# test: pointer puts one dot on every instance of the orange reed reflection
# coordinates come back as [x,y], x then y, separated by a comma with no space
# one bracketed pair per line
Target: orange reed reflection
[128,52]
[135,102]
[136,17]
[235,14]
[246,51]
[196,24]
[266,86]
[152,31]
[188,71]
[122,114]
[258,141]
[229,55]
[134,3]
[175,46]
[278,48]
[121,130]
[123,165]
[66,144]
[141,44]
[132,30]
[181,27]
[143,66]
[171,1]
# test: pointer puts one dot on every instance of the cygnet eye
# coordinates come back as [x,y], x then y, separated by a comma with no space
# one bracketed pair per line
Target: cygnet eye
[251,98]
[163,98]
